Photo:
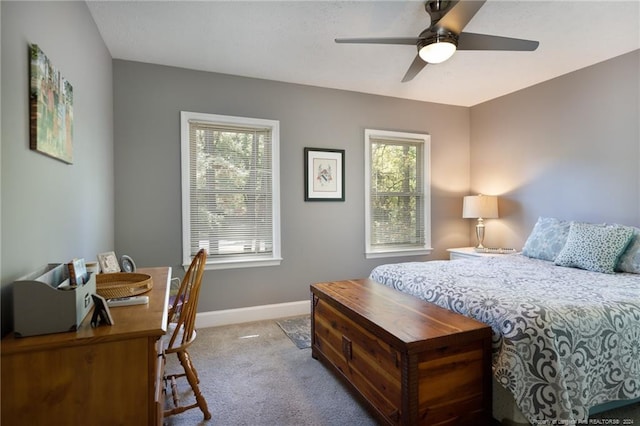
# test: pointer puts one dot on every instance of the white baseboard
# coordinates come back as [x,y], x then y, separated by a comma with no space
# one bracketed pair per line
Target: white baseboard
[252,313]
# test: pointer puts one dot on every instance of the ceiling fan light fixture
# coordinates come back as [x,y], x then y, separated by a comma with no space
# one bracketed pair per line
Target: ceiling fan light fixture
[438,48]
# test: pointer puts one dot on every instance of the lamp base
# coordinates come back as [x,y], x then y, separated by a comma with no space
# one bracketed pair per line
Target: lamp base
[480,233]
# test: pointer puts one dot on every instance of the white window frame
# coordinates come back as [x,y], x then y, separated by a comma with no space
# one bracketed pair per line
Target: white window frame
[230,262]
[372,252]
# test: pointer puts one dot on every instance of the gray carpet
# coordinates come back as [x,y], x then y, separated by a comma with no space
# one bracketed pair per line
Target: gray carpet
[252,374]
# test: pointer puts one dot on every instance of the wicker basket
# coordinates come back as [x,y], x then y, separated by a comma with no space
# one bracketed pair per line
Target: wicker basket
[122,284]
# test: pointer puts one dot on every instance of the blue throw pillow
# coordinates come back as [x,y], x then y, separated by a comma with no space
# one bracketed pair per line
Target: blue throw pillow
[595,248]
[630,259]
[547,238]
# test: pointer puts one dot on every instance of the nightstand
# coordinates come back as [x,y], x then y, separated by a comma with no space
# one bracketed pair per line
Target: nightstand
[468,252]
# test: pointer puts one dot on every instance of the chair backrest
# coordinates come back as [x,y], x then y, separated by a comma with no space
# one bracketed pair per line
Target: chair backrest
[183,310]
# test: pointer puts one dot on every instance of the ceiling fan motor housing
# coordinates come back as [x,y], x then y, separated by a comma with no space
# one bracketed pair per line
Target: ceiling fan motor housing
[429,36]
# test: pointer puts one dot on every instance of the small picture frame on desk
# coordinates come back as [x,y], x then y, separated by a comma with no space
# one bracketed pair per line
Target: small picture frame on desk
[101,312]
[108,262]
[77,272]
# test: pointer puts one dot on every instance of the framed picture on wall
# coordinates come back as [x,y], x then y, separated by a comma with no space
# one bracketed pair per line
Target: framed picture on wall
[51,108]
[323,174]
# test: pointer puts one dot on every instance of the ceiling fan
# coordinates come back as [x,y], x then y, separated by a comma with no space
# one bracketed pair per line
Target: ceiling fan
[444,36]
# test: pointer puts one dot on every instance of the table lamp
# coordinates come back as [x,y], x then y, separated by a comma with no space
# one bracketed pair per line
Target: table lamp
[480,207]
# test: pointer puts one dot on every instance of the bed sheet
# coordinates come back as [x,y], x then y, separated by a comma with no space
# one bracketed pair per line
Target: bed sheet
[564,339]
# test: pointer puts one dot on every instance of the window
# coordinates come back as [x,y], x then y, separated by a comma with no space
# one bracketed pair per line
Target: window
[230,190]
[397,194]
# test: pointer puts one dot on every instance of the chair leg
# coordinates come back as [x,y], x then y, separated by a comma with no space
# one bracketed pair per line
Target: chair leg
[174,391]
[185,360]
[192,367]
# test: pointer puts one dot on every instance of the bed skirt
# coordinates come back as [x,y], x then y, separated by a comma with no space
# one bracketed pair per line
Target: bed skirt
[507,412]
[505,409]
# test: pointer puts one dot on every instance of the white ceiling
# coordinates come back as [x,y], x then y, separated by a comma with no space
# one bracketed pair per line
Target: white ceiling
[293,41]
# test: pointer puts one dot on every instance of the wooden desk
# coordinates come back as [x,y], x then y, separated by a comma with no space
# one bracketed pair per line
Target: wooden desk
[100,376]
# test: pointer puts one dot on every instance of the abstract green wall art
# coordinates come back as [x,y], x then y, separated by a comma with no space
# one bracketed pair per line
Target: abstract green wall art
[51,108]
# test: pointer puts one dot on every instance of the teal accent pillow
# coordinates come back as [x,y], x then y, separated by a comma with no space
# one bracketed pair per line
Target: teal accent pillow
[547,238]
[595,248]
[630,259]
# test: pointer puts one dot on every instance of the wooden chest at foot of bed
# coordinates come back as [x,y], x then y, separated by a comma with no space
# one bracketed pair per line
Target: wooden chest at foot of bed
[414,363]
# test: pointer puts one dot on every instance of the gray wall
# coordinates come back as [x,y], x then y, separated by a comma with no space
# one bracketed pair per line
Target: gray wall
[568,147]
[320,241]
[51,211]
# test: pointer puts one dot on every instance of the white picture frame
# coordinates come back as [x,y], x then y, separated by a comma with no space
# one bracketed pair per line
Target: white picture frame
[108,262]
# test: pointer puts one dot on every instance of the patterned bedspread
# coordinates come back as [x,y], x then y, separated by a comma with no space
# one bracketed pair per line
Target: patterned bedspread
[564,339]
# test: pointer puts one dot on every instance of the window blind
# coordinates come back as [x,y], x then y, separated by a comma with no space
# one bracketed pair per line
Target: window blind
[396,193]
[231,201]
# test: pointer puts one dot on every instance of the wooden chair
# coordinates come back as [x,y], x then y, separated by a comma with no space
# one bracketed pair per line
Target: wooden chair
[182,318]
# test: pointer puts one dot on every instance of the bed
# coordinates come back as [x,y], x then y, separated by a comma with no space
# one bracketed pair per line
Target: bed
[565,339]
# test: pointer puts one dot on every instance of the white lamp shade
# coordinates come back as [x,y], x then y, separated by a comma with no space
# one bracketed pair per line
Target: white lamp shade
[480,206]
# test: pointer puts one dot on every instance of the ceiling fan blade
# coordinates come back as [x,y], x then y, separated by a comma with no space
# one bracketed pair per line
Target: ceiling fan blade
[383,40]
[471,41]
[459,16]
[416,66]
